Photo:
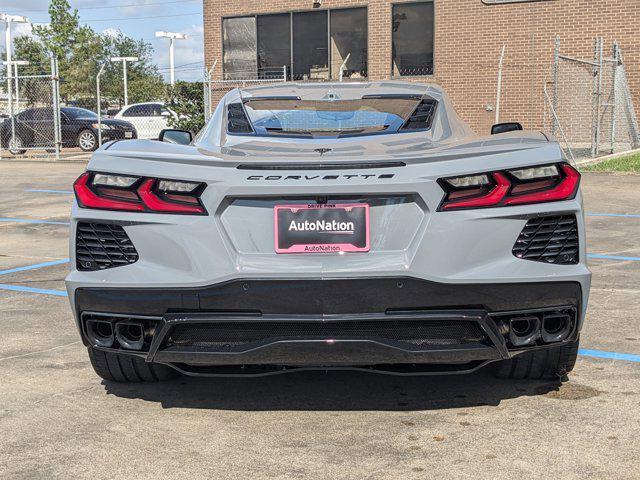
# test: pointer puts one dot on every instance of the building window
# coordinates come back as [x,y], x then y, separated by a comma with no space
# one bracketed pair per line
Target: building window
[349,42]
[310,46]
[412,38]
[313,45]
[239,47]
[274,44]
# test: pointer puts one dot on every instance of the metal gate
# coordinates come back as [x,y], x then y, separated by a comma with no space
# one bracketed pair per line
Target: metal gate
[30,114]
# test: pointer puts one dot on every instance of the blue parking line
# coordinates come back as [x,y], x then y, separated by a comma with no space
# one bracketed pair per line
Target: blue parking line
[624,215]
[29,220]
[629,357]
[33,267]
[612,257]
[20,288]
[37,190]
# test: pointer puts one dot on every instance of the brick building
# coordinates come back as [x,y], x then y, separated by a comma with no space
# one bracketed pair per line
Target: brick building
[455,43]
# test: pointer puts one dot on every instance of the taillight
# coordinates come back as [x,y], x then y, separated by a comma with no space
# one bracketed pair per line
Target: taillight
[106,191]
[547,183]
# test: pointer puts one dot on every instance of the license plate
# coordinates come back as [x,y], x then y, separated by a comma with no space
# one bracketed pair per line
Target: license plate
[128,134]
[322,228]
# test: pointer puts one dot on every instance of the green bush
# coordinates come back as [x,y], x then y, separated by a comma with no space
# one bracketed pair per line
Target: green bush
[187,100]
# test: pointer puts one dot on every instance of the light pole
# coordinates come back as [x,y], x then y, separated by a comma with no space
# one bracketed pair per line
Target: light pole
[124,61]
[171,36]
[9,19]
[15,74]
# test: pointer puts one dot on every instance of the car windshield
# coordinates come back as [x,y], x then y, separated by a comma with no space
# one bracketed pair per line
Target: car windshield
[273,116]
[75,112]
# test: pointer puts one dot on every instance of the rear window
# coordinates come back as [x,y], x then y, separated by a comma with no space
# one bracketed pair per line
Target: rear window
[316,118]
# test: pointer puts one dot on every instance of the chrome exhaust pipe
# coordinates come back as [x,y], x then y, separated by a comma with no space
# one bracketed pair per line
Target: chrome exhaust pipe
[524,330]
[130,334]
[100,333]
[555,327]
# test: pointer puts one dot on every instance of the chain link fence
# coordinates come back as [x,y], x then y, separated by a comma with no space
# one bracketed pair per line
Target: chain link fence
[30,122]
[588,103]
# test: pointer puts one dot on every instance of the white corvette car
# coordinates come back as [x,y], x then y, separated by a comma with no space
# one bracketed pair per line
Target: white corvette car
[330,226]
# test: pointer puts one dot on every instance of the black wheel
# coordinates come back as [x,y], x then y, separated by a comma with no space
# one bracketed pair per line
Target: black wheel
[127,368]
[87,141]
[16,146]
[550,363]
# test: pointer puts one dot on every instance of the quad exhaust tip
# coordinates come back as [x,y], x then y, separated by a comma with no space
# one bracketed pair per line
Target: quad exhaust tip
[549,327]
[130,334]
[100,333]
[524,330]
[555,327]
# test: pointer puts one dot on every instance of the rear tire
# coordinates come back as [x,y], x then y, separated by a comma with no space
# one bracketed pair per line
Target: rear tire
[127,368]
[550,363]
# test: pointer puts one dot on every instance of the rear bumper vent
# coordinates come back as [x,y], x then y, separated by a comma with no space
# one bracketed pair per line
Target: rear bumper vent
[550,239]
[239,336]
[102,245]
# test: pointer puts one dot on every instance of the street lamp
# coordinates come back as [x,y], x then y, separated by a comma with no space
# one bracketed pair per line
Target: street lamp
[171,36]
[124,61]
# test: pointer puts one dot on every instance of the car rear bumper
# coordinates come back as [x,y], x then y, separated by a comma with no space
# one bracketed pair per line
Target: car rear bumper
[329,322]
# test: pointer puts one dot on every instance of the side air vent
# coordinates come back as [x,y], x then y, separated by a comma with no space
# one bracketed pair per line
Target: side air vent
[237,121]
[103,245]
[421,117]
[552,239]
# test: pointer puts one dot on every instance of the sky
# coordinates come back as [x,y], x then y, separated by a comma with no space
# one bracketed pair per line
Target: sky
[135,18]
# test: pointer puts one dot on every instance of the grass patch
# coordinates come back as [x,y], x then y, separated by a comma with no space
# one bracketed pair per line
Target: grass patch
[628,164]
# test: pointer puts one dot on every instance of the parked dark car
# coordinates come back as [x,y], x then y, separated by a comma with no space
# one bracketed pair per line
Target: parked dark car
[34,127]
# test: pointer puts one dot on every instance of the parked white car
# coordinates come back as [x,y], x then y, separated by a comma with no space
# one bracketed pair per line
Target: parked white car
[149,118]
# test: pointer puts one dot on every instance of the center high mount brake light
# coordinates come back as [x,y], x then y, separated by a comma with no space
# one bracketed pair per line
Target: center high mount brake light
[106,191]
[521,186]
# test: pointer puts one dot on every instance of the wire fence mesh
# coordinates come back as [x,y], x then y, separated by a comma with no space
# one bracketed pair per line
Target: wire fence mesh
[29,115]
[588,104]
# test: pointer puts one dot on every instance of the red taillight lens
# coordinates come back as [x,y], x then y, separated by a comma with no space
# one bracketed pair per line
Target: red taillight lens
[546,183]
[139,194]
[153,201]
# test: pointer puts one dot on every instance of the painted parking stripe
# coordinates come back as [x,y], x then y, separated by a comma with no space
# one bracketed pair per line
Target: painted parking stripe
[629,357]
[29,220]
[20,288]
[623,215]
[37,190]
[33,267]
[612,257]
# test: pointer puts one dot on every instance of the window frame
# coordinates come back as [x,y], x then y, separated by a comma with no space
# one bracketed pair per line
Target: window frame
[364,6]
[433,33]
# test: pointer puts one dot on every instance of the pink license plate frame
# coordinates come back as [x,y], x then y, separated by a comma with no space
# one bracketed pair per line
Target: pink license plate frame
[322,247]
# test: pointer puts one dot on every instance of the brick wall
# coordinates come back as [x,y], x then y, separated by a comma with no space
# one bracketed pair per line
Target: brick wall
[468,39]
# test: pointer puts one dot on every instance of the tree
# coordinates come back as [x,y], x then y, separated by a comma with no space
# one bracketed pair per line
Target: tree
[145,82]
[187,100]
[81,51]
[33,90]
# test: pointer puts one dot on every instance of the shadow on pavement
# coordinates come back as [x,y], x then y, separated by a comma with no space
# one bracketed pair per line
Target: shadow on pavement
[333,391]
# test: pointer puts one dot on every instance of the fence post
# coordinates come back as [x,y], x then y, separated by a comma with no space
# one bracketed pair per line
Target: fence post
[284,73]
[99,107]
[499,90]
[556,66]
[594,100]
[56,105]
[614,100]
